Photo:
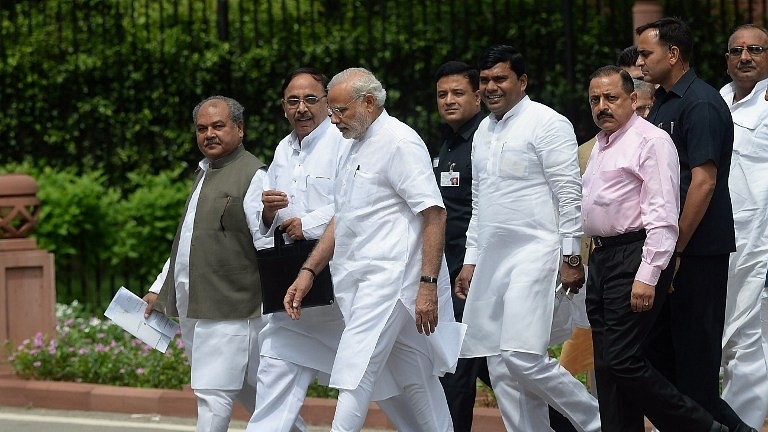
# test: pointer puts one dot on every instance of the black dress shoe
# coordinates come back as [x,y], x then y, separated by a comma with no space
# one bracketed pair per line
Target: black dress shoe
[743,427]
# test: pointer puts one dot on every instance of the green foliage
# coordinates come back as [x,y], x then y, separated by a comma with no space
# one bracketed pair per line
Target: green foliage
[110,84]
[93,350]
[147,219]
[103,236]
[77,217]
[321,391]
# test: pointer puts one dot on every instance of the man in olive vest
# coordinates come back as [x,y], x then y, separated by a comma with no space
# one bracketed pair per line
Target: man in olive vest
[211,280]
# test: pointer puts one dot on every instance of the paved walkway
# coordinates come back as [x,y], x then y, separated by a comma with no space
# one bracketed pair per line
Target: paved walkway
[55,405]
[37,419]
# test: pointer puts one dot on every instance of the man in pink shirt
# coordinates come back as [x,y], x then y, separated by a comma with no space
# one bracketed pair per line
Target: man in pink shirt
[630,207]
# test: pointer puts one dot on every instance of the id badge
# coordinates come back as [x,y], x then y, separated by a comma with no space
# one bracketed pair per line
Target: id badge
[449,178]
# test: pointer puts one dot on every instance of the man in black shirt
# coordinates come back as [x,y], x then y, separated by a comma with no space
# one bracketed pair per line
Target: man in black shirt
[686,348]
[458,102]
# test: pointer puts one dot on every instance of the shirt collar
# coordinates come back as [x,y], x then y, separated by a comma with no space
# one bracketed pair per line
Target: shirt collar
[604,140]
[466,131]
[313,137]
[377,124]
[680,87]
[730,89]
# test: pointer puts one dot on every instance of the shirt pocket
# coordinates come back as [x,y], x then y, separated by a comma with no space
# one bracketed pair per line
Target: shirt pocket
[513,160]
[231,212]
[319,192]
[363,189]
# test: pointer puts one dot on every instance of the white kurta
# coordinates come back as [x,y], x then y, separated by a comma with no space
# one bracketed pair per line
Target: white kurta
[307,173]
[386,181]
[526,203]
[746,372]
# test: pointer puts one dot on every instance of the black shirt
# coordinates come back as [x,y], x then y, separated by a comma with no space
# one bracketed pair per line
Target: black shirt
[700,123]
[456,154]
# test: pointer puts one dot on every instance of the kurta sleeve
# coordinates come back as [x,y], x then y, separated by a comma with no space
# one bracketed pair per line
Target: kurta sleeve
[557,149]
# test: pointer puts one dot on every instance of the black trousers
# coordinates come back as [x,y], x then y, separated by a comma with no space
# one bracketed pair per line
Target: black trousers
[460,387]
[628,386]
[687,339]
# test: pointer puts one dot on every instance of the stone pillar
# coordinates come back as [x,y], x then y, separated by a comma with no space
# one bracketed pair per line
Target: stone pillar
[643,12]
[27,287]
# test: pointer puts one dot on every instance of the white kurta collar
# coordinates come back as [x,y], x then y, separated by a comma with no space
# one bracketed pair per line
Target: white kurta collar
[517,109]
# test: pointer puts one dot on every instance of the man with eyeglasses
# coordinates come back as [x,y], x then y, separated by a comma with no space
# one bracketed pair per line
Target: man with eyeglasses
[745,371]
[644,102]
[298,198]
[390,277]
[686,344]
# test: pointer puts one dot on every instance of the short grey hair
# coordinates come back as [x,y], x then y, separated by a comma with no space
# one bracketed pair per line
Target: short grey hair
[235,109]
[643,86]
[362,82]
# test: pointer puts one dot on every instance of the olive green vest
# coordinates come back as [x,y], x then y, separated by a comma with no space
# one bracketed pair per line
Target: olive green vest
[223,275]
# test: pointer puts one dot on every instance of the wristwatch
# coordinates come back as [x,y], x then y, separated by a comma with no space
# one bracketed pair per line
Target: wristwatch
[428,279]
[572,260]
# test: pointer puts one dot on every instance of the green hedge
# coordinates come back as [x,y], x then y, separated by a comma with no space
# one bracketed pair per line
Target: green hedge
[110,84]
[104,237]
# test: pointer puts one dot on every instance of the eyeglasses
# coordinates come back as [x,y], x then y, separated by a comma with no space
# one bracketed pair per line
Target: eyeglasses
[339,111]
[310,100]
[753,50]
[642,110]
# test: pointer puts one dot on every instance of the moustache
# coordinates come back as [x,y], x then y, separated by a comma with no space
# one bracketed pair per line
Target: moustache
[211,142]
[604,114]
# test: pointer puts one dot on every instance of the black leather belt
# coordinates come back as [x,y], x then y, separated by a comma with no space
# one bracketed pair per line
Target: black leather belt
[619,240]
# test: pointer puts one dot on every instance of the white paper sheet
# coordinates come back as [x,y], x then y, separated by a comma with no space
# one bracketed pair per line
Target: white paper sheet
[127,310]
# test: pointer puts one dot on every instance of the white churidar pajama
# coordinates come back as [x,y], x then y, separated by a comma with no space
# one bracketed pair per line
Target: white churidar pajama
[745,371]
[401,348]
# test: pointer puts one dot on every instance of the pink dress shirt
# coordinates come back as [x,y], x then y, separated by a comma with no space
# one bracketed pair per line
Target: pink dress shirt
[632,182]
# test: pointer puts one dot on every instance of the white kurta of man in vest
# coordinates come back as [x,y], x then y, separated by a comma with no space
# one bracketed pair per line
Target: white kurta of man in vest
[223,352]
[386,181]
[745,380]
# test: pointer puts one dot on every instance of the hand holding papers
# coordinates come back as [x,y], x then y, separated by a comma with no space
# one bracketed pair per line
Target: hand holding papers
[127,311]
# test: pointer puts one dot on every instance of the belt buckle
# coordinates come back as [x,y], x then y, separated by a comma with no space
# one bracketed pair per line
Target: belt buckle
[597,241]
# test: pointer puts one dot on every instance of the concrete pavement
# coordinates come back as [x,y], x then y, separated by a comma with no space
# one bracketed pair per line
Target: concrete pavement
[37,419]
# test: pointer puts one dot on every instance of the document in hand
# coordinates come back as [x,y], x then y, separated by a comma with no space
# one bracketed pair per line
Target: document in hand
[127,310]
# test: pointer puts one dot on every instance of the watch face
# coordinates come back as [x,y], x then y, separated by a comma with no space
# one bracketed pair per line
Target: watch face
[574,260]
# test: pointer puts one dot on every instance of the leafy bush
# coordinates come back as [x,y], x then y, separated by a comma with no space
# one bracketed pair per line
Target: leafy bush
[147,218]
[94,350]
[102,236]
